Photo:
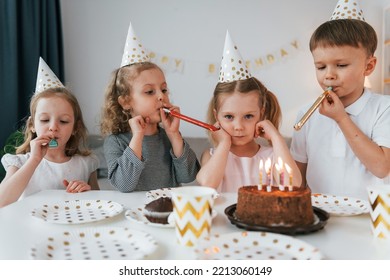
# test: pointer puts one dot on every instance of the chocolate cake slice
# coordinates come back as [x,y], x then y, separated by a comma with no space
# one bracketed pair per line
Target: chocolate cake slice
[157,211]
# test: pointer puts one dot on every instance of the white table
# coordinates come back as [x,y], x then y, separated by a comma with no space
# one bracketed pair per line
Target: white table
[342,237]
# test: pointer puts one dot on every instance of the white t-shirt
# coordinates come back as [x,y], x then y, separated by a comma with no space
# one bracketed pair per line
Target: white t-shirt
[49,175]
[242,171]
[332,166]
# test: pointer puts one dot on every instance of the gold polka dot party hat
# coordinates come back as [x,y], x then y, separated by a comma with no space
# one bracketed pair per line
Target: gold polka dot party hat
[133,51]
[46,78]
[233,67]
[347,9]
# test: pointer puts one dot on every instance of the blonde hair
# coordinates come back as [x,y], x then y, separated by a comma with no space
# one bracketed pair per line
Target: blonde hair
[268,103]
[114,118]
[77,142]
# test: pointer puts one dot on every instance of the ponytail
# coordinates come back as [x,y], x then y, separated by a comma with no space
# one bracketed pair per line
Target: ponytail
[271,108]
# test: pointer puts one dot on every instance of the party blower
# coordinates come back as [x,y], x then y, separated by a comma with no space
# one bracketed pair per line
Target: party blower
[311,110]
[191,120]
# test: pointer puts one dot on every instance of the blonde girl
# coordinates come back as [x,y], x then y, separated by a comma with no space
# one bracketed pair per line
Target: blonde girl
[141,155]
[245,110]
[55,114]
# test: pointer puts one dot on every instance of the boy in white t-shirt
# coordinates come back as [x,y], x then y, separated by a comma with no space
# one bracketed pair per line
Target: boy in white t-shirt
[345,145]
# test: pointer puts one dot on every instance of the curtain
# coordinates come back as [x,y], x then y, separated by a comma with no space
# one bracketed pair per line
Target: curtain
[28,29]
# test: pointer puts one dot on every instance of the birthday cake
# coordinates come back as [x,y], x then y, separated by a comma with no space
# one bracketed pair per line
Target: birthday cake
[270,206]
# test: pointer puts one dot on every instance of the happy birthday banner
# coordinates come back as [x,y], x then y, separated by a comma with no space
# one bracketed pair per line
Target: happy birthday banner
[174,64]
[167,63]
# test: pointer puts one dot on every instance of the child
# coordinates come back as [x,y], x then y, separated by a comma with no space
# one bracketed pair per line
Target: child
[140,154]
[344,147]
[55,120]
[244,109]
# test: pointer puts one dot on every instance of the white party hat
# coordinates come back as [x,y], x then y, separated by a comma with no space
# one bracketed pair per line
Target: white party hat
[347,9]
[134,51]
[46,78]
[233,67]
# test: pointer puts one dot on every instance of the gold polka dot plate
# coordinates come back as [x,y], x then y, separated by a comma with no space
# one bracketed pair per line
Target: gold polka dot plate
[77,211]
[248,245]
[107,243]
[164,192]
[340,206]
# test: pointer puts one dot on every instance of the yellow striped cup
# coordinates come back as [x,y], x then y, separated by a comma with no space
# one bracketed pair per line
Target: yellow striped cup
[379,197]
[192,207]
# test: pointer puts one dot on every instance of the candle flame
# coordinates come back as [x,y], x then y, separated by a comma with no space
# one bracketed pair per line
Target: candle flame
[261,167]
[280,174]
[268,165]
[280,162]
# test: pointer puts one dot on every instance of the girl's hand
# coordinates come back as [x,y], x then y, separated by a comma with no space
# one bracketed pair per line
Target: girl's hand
[39,146]
[267,130]
[221,136]
[138,125]
[76,186]
[170,123]
[333,108]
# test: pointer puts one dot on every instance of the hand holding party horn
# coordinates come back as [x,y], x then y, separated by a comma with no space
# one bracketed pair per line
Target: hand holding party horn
[311,110]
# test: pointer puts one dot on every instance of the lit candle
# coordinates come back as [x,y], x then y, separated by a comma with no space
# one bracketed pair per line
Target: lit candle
[261,168]
[281,171]
[289,171]
[268,171]
[278,175]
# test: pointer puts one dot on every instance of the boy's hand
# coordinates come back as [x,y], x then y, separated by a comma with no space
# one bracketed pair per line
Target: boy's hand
[76,186]
[332,107]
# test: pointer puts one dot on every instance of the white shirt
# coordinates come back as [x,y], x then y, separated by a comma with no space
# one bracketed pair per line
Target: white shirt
[49,175]
[242,171]
[332,166]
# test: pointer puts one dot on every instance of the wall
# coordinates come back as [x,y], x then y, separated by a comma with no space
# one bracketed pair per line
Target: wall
[194,31]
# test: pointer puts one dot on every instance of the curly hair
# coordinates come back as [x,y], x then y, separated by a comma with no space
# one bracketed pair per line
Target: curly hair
[114,118]
[77,142]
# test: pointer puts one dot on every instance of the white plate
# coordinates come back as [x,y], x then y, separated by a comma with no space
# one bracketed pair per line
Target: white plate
[340,206]
[77,211]
[164,192]
[255,245]
[112,243]
[138,216]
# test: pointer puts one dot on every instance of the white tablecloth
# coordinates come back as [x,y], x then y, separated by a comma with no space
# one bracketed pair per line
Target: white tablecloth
[342,237]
